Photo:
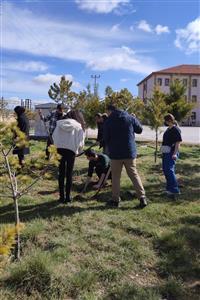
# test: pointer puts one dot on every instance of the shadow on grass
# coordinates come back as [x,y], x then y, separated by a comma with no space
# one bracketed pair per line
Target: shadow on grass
[191,220]
[80,172]
[193,152]
[47,192]
[44,210]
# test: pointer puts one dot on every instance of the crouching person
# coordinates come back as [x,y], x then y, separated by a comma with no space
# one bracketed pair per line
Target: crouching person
[100,163]
[68,137]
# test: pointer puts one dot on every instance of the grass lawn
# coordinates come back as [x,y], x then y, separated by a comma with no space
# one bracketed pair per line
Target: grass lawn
[85,250]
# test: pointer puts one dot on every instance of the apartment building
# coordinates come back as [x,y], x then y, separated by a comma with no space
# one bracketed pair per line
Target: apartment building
[188,74]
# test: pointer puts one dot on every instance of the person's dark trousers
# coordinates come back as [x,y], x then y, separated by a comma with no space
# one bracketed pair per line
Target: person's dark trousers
[65,170]
[49,142]
[21,158]
[168,165]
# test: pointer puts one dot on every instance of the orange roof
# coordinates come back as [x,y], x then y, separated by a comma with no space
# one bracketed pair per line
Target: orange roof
[179,70]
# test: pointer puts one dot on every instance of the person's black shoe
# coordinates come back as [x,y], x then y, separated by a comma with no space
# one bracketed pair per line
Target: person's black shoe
[61,200]
[112,203]
[68,199]
[143,202]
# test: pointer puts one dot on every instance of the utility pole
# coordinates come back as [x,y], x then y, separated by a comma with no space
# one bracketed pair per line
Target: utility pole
[95,77]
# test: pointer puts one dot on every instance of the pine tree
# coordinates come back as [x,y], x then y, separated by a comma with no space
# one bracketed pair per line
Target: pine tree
[16,181]
[62,92]
[178,106]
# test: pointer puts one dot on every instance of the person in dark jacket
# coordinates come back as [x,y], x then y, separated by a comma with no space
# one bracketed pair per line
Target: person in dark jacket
[100,120]
[23,125]
[99,123]
[170,153]
[100,163]
[119,135]
[52,118]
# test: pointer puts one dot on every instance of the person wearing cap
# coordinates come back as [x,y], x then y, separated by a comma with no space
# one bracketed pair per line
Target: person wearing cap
[98,162]
[52,118]
[119,135]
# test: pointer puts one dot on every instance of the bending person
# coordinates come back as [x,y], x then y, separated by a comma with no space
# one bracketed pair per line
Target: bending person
[101,164]
[68,137]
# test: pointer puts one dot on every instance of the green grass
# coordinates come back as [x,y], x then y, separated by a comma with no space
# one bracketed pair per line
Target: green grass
[85,250]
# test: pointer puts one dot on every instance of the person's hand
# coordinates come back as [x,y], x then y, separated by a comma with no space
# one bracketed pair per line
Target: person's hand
[174,156]
[96,186]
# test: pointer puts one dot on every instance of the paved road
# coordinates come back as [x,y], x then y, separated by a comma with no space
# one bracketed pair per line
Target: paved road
[190,135]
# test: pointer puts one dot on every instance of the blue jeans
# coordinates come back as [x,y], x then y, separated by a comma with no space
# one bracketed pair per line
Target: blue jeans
[168,165]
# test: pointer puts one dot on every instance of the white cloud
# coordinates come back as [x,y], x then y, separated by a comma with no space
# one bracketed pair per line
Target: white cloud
[143,25]
[124,79]
[96,47]
[115,28]
[26,66]
[49,78]
[159,29]
[122,58]
[188,38]
[99,6]
[27,86]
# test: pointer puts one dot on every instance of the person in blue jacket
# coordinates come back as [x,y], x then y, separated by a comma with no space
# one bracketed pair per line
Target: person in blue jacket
[119,135]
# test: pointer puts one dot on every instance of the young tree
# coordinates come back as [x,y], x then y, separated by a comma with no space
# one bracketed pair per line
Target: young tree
[154,111]
[62,92]
[15,180]
[122,100]
[138,109]
[89,104]
[92,106]
[108,91]
[178,106]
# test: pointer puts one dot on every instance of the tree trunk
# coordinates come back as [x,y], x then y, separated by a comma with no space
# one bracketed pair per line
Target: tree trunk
[156,151]
[17,224]
[14,196]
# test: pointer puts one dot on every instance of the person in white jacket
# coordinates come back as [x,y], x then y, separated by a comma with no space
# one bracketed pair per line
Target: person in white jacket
[68,137]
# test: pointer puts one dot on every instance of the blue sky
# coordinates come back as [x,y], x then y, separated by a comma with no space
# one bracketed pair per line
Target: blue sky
[120,40]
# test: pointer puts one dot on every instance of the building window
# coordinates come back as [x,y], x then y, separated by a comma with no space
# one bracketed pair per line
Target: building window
[185,82]
[159,81]
[193,116]
[145,86]
[194,82]
[166,81]
[194,98]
